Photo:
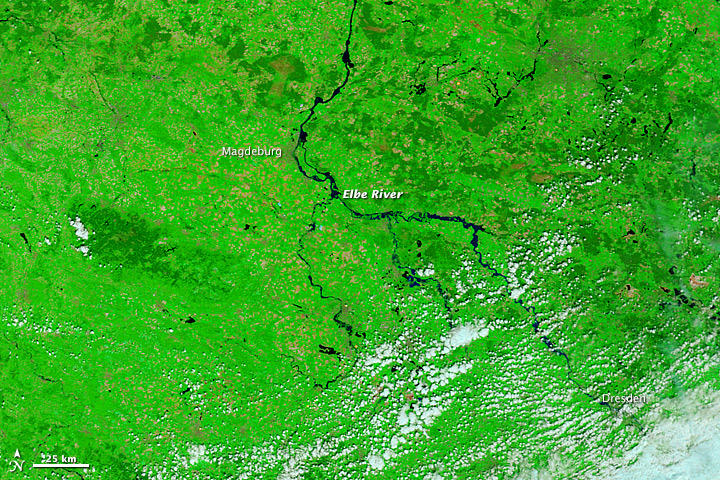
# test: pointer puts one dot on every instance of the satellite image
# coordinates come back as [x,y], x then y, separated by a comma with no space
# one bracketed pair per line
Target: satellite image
[355,239]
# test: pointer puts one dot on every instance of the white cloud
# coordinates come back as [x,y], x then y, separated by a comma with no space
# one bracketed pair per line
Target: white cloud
[80,229]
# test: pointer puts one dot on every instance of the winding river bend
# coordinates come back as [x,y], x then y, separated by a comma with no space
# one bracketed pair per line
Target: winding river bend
[312,173]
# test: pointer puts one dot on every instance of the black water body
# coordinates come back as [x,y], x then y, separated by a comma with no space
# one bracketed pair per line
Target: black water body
[397,216]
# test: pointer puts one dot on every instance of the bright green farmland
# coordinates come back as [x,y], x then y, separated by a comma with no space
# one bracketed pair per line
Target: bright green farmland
[168,311]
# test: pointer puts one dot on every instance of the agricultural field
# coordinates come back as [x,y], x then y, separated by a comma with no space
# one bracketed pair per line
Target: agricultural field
[358,239]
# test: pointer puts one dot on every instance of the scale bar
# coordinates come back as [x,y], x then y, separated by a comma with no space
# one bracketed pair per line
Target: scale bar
[60,465]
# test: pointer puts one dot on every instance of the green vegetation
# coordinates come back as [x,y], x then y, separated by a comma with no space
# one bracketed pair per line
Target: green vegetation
[169,312]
